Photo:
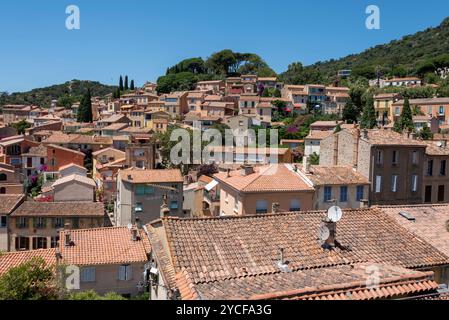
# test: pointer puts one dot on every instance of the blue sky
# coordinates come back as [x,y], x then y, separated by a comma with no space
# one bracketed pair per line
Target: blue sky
[142,38]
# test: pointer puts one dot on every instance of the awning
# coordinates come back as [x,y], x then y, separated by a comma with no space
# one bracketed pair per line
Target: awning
[211,185]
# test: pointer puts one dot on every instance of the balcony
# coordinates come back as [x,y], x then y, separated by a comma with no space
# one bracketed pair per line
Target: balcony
[211,197]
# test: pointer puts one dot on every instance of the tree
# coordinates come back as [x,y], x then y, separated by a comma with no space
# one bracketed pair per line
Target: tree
[21,126]
[121,88]
[32,280]
[207,169]
[368,120]
[350,113]
[405,122]
[132,85]
[126,83]
[67,101]
[425,133]
[314,159]
[85,108]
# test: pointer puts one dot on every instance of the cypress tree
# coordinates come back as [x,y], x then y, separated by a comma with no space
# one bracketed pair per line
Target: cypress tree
[369,115]
[132,85]
[407,117]
[121,84]
[126,83]
[85,108]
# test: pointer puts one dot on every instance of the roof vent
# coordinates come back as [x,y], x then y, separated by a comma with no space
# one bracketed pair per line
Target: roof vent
[407,216]
[281,263]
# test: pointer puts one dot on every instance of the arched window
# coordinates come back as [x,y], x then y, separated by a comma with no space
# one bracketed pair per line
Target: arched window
[3,177]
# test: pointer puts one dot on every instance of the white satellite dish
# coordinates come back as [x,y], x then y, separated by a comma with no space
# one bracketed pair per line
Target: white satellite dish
[439,144]
[334,214]
[130,226]
[323,233]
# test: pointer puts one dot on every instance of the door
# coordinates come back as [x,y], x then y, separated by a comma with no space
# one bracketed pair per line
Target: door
[441,193]
[428,194]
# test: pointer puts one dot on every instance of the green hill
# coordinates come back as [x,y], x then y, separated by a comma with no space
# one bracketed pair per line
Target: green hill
[43,96]
[418,54]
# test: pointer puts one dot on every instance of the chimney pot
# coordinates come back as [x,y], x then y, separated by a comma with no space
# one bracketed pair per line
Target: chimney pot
[247,170]
[332,226]
[306,164]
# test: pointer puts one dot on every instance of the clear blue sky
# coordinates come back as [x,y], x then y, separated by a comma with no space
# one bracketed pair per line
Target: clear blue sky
[142,38]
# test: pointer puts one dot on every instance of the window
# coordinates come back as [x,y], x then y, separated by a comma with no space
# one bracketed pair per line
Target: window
[138,207]
[430,168]
[3,177]
[441,110]
[343,194]
[2,221]
[22,243]
[125,273]
[395,157]
[87,274]
[428,194]
[39,223]
[295,205]
[327,194]
[441,193]
[21,222]
[54,242]
[379,157]
[394,183]
[443,168]
[360,193]
[397,111]
[39,243]
[236,204]
[174,205]
[415,157]
[414,183]
[58,222]
[42,161]
[378,184]
[261,206]
[75,223]
[2,190]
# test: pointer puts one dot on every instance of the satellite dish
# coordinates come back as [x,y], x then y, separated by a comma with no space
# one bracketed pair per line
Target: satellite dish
[439,144]
[334,214]
[130,226]
[323,233]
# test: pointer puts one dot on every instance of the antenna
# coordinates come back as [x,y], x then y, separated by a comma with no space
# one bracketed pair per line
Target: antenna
[334,214]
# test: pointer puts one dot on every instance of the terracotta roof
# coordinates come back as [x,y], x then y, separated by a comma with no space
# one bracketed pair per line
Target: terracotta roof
[335,175]
[344,282]
[56,209]
[40,151]
[70,165]
[75,178]
[99,152]
[434,150]
[272,178]
[100,246]
[389,138]
[330,124]
[8,202]
[66,149]
[115,126]
[237,255]
[151,176]
[424,101]
[14,259]
[319,134]
[430,222]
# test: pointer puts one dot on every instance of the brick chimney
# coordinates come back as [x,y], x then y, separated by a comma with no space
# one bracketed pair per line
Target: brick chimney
[332,226]
[275,208]
[306,164]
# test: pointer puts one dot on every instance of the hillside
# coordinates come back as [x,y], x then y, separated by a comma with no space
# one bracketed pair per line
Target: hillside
[411,55]
[44,96]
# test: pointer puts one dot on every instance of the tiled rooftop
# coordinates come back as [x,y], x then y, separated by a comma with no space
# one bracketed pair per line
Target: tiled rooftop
[151,176]
[59,209]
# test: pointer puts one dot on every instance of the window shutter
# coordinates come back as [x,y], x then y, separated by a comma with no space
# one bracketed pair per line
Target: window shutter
[121,272]
[129,272]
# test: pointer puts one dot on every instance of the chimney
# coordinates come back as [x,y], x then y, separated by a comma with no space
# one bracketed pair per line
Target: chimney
[165,211]
[247,170]
[332,226]
[365,134]
[228,173]
[355,151]
[363,204]
[67,235]
[443,143]
[306,164]
[130,177]
[275,208]
[134,233]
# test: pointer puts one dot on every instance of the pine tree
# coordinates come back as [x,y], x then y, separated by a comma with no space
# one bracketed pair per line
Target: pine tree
[425,133]
[121,84]
[369,115]
[132,85]
[85,108]
[126,83]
